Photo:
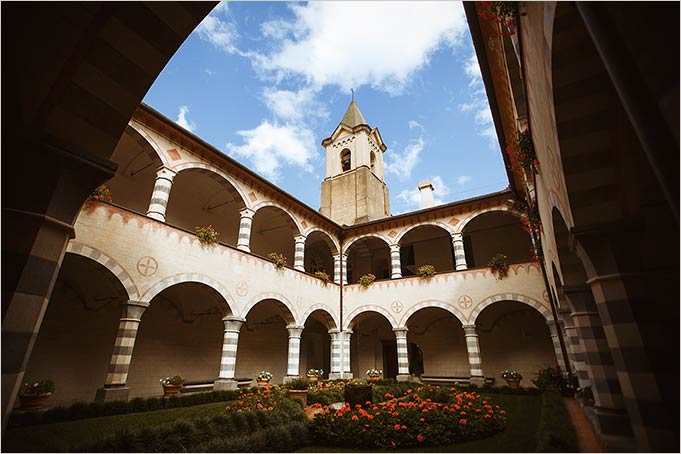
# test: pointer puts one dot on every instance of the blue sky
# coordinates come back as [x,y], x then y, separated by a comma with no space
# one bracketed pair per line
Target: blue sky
[265,82]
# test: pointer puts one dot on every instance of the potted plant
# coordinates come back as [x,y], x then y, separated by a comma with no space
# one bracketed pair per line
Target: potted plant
[512,377]
[278,259]
[207,235]
[321,275]
[499,266]
[32,396]
[366,280]
[313,375]
[358,392]
[373,375]
[297,389]
[101,194]
[425,271]
[263,378]
[172,385]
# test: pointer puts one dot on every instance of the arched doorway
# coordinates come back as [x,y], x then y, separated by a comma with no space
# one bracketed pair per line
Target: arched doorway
[315,343]
[372,345]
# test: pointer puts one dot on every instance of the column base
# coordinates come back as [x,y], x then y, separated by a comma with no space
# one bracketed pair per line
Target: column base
[109,393]
[404,377]
[478,381]
[225,384]
[288,378]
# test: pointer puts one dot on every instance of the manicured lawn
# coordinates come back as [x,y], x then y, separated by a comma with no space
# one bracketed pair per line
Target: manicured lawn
[57,436]
[523,413]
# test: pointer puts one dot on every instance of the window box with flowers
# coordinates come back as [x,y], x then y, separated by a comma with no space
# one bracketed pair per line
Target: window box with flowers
[206,235]
[499,266]
[263,378]
[278,259]
[172,385]
[425,271]
[313,375]
[366,280]
[33,395]
[512,377]
[322,276]
[373,375]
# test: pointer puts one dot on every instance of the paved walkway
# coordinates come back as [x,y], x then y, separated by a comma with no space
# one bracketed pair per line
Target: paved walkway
[586,438]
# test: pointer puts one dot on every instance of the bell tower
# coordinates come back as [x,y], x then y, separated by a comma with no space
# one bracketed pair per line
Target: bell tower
[354,190]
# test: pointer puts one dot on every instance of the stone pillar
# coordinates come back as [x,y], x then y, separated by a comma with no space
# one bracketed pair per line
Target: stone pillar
[459,252]
[293,368]
[346,336]
[299,258]
[336,346]
[115,386]
[395,261]
[244,241]
[556,342]
[402,354]
[159,197]
[574,351]
[474,358]
[340,263]
[230,342]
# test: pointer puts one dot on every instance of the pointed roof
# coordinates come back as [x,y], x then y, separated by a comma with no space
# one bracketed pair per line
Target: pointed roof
[353,117]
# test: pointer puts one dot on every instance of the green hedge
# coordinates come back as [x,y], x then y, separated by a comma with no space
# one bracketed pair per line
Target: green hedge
[555,432]
[82,410]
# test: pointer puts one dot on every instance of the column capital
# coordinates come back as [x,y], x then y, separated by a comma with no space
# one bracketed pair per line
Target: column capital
[300,238]
[347,331]
[470,330]
[295,330]
[166,173]
[344,256]
[457,236]
[133,310]
[247,213]
[333,331]
[394,248]
[233,323]
[401,331]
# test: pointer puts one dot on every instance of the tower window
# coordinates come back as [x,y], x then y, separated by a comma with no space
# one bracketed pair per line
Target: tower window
[345,160]
[373,162]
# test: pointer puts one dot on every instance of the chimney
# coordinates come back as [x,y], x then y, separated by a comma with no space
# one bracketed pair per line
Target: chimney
[426,189]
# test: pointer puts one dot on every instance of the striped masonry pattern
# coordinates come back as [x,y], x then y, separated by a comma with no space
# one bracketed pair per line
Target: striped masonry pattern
[345,336]
[344,267]
[244,241]
[402,351]
[169,281]
[395,261]
[542,308]
[459,253]
[336,345]
[556,343]
[575,350]
[299,257]
[294,333]
[336,268]
[473,347]
[161,193]
[109,263]
[125,342]
[229,346]
[220,177]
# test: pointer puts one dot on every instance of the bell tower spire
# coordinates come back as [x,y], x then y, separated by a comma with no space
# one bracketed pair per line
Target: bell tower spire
[354,190]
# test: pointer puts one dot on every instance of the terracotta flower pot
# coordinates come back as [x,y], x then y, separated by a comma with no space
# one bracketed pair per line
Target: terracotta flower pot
[33,401]
[312,378]
[373,378]
[262,383]
[171,390]
[513,383]
[298,394]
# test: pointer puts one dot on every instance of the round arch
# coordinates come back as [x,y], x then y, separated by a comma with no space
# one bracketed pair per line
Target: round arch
[170,281]
[109,263]
[501,208]
[432,303]
[370,308]
[329,239]
[282,302]
[378,236]
[139,129]
[293,219]
[216,174]
[329,320]
[517,297]
[448,228]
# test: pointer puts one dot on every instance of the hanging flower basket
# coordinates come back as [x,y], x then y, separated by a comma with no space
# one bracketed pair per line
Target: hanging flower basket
[366,280]
[499,266]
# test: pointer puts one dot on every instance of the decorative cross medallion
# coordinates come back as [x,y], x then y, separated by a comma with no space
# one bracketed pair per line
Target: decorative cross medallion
[465,301]
[147,266]
[397,306]
[242,288]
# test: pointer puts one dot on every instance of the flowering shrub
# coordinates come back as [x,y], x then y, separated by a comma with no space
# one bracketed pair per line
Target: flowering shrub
[366,280]
[278,259]
[43,386]
[522,154]
[414,420]
[175,381]
[206,235]
[554,378]
[499,266]
[321,275]
[102,194]
[425,271]
[511,375]
[264,375]
[504,13]
[268,399]
[315,372]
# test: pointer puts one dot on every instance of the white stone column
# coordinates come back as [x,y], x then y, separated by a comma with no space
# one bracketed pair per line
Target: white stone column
[402,354]
[294,333]
[340,263]
[395,261]
[229,346]
[459,253]
[336,346]
[115,386]
[244,241]
[299,258]
[346,336]
[474,358]
[161,193]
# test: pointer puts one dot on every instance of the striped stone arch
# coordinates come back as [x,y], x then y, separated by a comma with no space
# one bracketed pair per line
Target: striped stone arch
[283,303]
[442,225]
[501,208]
[170,281]
[371,308]
[543,310]
[432,303]
[217,175]
[152,143]
[330,320]
[108,263]
[331,239]
[385,239]
[294,222]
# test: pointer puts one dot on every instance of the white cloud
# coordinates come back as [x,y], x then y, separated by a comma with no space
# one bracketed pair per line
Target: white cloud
[208,71]
[351,44]
[294,106]
[269,146]
[182,119]
[463,180]
[411,198]
[478,104]
[415,124]
[402,164]
[218,30]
